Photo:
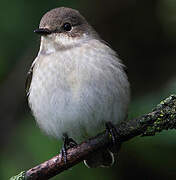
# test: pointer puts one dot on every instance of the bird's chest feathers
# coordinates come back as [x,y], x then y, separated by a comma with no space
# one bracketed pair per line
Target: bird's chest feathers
[59,72]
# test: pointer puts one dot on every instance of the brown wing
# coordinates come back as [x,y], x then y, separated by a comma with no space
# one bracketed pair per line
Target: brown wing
[28,80]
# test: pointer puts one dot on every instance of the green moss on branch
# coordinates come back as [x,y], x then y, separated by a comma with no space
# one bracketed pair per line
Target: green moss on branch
[162,118]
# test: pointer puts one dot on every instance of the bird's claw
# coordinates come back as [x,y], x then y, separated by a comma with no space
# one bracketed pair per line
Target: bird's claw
[68,143]
[112,131]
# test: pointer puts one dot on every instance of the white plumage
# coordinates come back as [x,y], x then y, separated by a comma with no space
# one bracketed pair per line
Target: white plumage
[78,85]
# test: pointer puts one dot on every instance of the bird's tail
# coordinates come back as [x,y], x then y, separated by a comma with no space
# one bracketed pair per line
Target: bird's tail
[101,158]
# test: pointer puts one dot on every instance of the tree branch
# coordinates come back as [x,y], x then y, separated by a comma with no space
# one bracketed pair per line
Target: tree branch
[163,117]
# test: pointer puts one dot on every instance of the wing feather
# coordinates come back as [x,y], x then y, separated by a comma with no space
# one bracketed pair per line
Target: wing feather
[28,80]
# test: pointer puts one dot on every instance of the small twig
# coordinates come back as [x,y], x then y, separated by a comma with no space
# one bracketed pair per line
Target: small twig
[163,117]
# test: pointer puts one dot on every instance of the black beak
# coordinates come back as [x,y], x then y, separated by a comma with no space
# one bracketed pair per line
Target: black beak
[42,31]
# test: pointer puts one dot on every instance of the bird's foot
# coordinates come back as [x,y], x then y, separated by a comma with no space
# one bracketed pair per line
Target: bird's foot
[112,131]
[68,143]
[114,136]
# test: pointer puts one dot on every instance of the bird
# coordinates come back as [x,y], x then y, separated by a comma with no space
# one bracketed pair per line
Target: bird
[76,86]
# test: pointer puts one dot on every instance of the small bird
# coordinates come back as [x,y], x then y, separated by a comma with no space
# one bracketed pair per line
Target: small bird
[76,85]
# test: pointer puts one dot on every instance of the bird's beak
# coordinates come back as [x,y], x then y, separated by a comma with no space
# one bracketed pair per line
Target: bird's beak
[42,31]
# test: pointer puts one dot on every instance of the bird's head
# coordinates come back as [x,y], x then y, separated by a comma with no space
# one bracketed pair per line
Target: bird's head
[65,27]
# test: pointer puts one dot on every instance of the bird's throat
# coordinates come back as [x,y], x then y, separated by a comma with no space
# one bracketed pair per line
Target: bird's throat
[47,45]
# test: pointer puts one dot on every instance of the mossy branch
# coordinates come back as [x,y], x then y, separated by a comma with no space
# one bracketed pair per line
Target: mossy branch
[163,117]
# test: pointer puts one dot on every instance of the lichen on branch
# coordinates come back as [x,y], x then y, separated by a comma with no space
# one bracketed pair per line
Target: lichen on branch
[163,117]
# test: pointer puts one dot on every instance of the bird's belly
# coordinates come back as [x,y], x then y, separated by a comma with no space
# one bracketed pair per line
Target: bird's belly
[63,105]
[66,110]
[65,98]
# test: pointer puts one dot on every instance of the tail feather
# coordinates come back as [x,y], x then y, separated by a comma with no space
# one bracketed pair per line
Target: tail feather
[101,158]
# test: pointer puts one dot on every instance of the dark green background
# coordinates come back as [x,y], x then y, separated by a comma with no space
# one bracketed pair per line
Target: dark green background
[144,35]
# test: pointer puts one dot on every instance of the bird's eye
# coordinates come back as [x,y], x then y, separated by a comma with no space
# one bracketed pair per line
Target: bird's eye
[67,27]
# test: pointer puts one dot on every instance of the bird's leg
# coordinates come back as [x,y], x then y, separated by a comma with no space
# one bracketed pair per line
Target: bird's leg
[116,144]
[112,131]
[68,143]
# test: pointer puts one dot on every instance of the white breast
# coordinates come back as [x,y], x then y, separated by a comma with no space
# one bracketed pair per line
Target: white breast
[75,91]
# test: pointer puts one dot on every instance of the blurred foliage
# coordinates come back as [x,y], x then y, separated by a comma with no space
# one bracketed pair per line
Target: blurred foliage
[167,16]
[144,35]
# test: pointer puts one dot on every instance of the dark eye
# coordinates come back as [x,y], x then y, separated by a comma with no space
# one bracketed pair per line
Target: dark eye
[67,27]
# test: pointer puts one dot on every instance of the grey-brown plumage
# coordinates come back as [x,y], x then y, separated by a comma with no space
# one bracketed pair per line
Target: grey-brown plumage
[54,20]
[76,83]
